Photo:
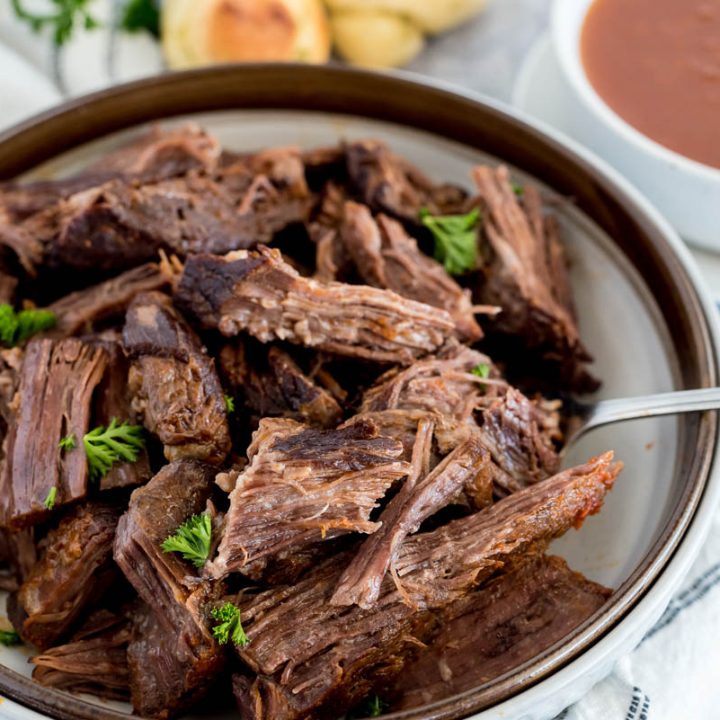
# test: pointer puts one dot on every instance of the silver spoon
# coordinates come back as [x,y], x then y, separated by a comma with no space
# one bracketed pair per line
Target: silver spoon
[605,412]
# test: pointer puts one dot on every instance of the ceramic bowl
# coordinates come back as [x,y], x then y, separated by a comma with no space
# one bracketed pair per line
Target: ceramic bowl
[643,313]
[685,191]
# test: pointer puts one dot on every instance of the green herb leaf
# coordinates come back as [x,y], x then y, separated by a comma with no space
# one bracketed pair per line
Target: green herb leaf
[68,442]
[49,501]
[372,707]
[9,638]
[104,446]
[230,404]
[67,13]
[482,370]
[518,189]
[192,539]
[455,239]
[16,327]
[230,627]
[142,15]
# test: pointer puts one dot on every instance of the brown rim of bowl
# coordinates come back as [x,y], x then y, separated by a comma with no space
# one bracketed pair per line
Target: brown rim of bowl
[477,123]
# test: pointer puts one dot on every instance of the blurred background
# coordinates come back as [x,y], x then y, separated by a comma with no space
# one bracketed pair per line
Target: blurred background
[76,46]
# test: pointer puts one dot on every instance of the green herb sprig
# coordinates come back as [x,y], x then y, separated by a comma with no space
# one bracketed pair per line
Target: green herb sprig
[68,442]
[455,239]
[105,446]
[16,327]
[229,404]
[230,628]
[9,638]
[482,370]
[64,15]
[141,15]
[192,540]
[49,501]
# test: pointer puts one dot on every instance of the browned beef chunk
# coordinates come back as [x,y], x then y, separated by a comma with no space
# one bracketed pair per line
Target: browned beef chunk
[113,400]
[387,257]
[173,379]
[313,658]
[514,430]
[56,387]
[259,293]
[332,259]
[72,575]
[423,493]
[304,485]
[173,656]
[506,623]
[18,555]
[172,669]
[526,274]
[389,184]
[271,384]
[117,225]
[518,432]
[93,661]
[443,385]
[156,155]
[78,311]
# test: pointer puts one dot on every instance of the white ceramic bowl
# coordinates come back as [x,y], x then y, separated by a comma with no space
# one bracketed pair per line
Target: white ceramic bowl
[685,191]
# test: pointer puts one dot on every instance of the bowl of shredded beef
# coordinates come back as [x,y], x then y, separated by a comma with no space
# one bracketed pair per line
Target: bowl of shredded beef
[287,360]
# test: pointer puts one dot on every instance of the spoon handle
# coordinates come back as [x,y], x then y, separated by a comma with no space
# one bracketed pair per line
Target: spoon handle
[680,401]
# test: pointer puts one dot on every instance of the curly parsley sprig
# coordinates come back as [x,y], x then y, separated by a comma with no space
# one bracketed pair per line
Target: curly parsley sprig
[230,628]
[105,446]
[192,540]
[455,239]
[16,327]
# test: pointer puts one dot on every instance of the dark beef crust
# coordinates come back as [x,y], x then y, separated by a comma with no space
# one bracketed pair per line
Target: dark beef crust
[70,577]
[259,293]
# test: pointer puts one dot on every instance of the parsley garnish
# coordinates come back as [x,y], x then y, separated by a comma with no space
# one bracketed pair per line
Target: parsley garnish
[372,707]
[230,627]
[518,189]
[229,404]
[455,239]
[141,15]
[49,501]
[482,370]
[16,327]
[62,21]
[104,446]
[68,442]
[192,539]
[9,637]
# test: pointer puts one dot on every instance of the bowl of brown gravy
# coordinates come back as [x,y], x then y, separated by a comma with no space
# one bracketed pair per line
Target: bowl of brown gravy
[646,77]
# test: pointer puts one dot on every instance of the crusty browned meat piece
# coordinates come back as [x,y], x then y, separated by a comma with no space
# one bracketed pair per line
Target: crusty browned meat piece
[174,382]
[506,623]
[304,485]
[55,394]
[93,661]
[525,274]
[389,184]
[257,292]
[173,634]
[387,257]
[118,225]
[113,400]
[332,259]
[518,432]
[18,555]
[312,657]
[442,384]
[78,311]
[423,493]
[513,431]
[72,575]
[171,669]
[157,154]
[271,384]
